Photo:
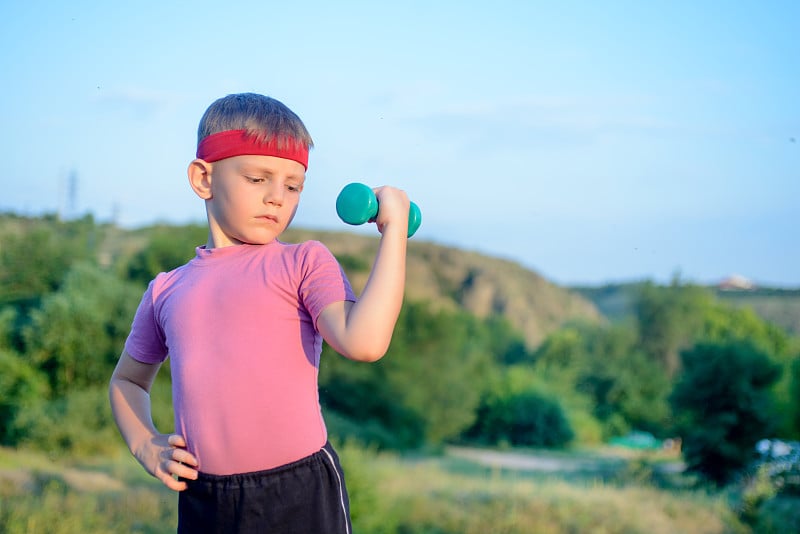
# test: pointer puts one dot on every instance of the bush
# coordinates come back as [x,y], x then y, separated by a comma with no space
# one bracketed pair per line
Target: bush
[20,385]
[423,392]
[77,333]
[724,405]
[526,419]
[168,248]
[79,423]
[769,496]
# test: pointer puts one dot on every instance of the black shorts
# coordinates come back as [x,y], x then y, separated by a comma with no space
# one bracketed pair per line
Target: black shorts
[306,496]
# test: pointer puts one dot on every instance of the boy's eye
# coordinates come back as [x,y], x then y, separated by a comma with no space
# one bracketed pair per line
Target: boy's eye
[254,179]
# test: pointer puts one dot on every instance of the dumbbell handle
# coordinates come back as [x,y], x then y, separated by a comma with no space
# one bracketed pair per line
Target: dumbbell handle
[357,204]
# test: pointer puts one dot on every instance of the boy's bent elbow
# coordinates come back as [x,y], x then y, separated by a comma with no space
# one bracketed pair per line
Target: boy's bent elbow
[367,357]
[367,352]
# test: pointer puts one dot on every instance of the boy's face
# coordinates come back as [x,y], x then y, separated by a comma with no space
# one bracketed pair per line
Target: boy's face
[252,199]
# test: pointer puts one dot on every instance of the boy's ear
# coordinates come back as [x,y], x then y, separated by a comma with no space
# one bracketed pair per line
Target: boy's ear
[200,178]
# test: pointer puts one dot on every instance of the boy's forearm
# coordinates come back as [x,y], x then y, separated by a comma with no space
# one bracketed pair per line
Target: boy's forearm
[163,456]
[130,405]
[372,319]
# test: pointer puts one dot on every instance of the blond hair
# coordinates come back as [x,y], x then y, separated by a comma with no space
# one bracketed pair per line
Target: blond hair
[260,116]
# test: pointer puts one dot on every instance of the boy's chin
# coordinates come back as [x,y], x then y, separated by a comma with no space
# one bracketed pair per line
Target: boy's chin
[260,240]
[257,241]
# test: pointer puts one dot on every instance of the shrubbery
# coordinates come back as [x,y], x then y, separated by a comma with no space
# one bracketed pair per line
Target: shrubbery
[724,406]
[68,293]
[526,419]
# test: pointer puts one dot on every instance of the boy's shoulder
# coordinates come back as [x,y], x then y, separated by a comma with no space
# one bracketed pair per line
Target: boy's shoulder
[312,249]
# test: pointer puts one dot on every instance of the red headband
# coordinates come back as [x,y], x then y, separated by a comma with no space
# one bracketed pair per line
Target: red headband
[231,143]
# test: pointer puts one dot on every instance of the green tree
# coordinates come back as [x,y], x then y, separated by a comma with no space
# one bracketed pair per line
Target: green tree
[427,387]
[723,406]
[35,255]
[21,385]
[563,355]
[506,344]
[76,335]
[168,247]
[520,410]
[669,319]
[794,409]
[559,363]
[724,323]
[79,422]
[602,369]
[629,390]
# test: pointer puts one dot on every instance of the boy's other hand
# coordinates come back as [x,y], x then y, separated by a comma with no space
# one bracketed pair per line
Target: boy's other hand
[173,461]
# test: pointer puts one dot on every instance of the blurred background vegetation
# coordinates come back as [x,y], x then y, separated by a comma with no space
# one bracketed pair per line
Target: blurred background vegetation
[486,354]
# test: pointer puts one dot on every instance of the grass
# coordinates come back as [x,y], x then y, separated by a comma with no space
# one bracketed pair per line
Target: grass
[40,494]
[390,494]
[453,495]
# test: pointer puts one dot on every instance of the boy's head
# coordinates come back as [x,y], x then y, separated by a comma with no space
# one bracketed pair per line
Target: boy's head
[252,154]
[252,124]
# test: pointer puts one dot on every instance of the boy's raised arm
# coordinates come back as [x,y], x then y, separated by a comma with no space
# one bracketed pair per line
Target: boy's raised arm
[363,330]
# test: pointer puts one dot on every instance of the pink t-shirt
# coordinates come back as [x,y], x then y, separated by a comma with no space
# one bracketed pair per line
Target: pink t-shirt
[239,326]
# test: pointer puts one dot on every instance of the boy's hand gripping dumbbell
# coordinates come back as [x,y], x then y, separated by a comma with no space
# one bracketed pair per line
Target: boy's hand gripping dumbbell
[357,204]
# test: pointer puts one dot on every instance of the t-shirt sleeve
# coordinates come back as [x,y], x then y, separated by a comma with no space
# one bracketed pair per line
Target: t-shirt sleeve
[146,342]
[323,280]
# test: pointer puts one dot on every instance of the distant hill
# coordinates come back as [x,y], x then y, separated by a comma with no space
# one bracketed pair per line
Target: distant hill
[445,277]
[456,279]
[778,306]
[452,278]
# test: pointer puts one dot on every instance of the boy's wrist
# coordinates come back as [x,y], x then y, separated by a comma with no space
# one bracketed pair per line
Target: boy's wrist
[398,228]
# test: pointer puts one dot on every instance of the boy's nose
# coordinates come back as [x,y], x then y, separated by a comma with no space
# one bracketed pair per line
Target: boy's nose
[273,195]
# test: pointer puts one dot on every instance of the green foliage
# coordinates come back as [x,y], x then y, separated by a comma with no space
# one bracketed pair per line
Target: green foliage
[524,419]
[424,391]
[77,334]
[768,499]
[505,343]
[63,321]
[628,389]
[563,355]
[352,263]
[48,504]
[369,510]
[8,317]
[168,247]
[390,494]
[669,319]
[777,306]
[778,515]
[36,254]
[624,388]
[161,400]
[20,386]
[757,490]
[724,323]
[439,364]
[520,408]
[794,395]
[78,423]
[723,407]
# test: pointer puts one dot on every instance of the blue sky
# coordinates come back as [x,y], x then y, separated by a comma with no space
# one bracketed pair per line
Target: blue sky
[592,142]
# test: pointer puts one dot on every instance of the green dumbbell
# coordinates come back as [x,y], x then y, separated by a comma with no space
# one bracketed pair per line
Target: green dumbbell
[357,204]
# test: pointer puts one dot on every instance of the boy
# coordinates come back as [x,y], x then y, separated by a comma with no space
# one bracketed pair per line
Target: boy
[243,324]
